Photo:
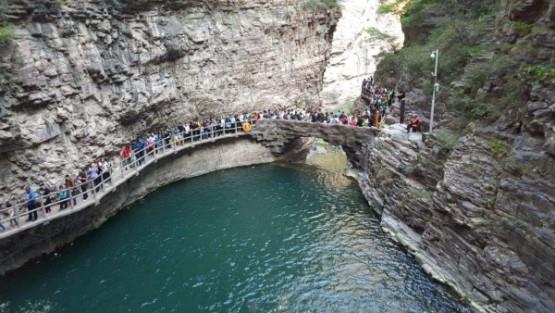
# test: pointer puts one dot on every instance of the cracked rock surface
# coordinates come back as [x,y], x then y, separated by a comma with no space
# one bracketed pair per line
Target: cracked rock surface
[81,78]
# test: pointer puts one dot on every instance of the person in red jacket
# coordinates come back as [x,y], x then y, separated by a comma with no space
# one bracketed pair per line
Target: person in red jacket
[415,124]
[126,155]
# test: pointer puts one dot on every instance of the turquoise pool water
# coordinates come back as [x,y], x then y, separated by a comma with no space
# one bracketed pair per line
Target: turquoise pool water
[260,239]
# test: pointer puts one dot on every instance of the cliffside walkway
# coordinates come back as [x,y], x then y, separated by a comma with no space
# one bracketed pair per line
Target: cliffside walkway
[274,134]
[118,176]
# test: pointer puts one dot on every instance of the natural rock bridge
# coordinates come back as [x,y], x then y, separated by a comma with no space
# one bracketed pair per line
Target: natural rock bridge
[281,136]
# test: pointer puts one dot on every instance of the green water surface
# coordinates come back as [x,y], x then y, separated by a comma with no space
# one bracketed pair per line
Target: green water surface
[259,239]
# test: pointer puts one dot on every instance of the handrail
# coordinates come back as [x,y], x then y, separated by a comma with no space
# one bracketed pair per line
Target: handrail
[96,189]
[125,169]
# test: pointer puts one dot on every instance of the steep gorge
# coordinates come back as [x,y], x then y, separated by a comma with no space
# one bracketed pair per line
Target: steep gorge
[475,203]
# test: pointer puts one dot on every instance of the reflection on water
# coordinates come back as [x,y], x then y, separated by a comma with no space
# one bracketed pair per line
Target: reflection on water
[259,239]
[332,161]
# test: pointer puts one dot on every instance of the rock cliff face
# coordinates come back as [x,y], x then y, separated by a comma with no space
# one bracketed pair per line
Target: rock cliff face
[478,221]
[80,78]
[362,37]
[476,204]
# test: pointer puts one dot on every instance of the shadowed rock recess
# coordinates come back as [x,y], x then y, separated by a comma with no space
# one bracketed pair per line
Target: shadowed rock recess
[80,78]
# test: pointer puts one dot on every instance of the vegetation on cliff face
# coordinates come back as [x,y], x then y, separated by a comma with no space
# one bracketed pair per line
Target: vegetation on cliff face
[489,164]
[6,34]
[488,61]
[322,4]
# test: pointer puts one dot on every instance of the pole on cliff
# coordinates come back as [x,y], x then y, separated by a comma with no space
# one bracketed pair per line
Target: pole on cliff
[435,55]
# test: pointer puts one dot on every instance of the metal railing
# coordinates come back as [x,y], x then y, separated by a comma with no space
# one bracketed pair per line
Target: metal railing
[26,214]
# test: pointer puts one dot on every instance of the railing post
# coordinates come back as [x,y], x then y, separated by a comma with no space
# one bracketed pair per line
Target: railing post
[70,194]
[42,208]
[93,191]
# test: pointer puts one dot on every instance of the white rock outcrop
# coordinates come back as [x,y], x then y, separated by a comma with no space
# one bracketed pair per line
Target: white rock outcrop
[362,37]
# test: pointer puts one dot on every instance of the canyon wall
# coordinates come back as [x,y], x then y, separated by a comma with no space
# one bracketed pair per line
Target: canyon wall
[475,201]
[80,78]
[362,38]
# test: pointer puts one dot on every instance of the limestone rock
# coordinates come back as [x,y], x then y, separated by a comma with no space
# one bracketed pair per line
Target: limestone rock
[86,76]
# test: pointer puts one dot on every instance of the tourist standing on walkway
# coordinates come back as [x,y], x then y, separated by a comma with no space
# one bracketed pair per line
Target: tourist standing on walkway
[93,177]
[126,155]
[401,98]
[106,169]
[46,199]
[12,210]
[63,197]
[84,184]
[31,204]
[72,191]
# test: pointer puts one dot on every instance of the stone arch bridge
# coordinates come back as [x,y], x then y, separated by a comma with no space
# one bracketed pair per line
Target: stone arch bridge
[286,137]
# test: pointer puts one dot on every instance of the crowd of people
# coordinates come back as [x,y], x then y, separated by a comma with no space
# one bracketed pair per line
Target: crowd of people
[92,179]
[379,100]
[45,197]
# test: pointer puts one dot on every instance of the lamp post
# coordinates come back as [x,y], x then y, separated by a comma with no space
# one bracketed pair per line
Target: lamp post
[435,56]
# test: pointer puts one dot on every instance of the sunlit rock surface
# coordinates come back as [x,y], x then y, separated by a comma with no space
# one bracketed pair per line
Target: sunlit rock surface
[81,78]
[362,37]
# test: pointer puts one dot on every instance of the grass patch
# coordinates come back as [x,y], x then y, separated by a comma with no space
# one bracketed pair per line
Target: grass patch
[498,149]
[539,72]
[375,34]
[7,33]
[521,28]
[447,138]
[386,8]
[393,7]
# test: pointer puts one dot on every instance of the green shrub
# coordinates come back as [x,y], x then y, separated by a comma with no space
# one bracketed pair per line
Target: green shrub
[498,149]
[539,73]
[447,139]
[316,5]
[386,8]
[521,28]
[7,33]
[375,34]
[395,7]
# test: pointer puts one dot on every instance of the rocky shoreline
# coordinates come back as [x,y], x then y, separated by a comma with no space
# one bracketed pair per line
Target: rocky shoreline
[458,215]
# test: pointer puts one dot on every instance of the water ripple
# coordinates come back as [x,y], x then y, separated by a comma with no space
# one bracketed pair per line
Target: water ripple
[287,239]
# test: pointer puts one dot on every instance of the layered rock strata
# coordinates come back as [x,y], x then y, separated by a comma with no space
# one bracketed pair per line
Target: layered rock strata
[80,78]
[478,220]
